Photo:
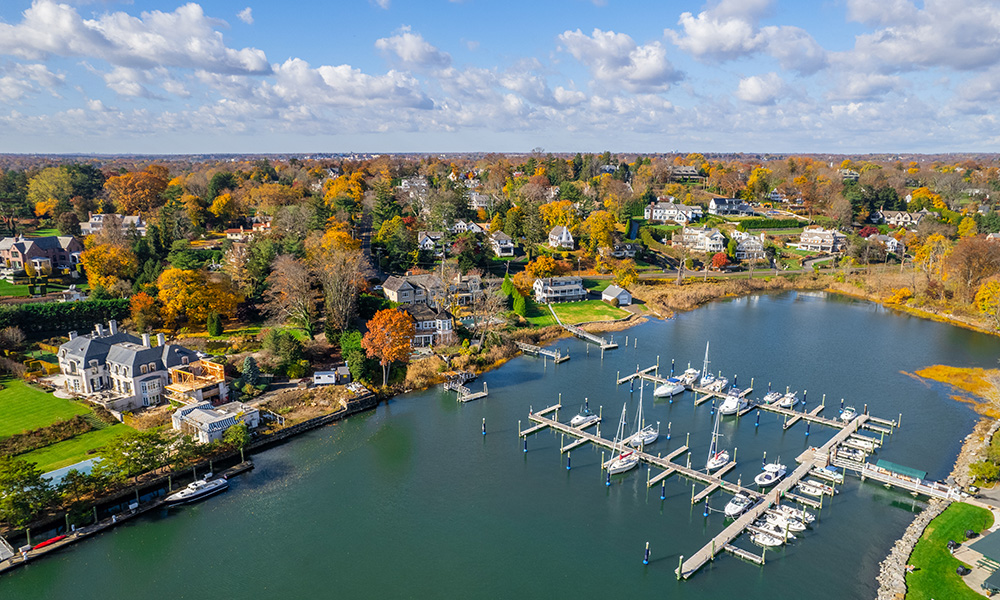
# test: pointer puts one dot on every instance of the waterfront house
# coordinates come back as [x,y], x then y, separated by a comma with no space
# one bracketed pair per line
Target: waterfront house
[621,295]
[83,359]
[42,253]
[559,289]
[429,289]
[503,244]
[659,212]
[700,239]
[621,250]
[560,237]
[750,248]
[196,382]
[432,326]
[822,240]
[891,244]
[208,424]
[899,218]
[138,373]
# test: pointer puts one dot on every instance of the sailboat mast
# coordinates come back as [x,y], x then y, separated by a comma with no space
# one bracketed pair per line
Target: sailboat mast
[704,369]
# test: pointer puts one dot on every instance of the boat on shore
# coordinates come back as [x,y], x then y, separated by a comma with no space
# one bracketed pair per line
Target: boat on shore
[771,474]
[200,489]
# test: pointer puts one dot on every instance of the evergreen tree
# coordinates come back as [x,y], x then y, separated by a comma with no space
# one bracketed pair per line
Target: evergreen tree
[251,374]
[214,324]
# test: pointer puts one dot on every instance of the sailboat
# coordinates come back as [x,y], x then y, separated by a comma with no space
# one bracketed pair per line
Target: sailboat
[644,435]
[706,376]
[625,459]
[716,458]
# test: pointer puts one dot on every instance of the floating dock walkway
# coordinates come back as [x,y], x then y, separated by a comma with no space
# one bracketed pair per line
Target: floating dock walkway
[555,355]
[585,335]
[464,393]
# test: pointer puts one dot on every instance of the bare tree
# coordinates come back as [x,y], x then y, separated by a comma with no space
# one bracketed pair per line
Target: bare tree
[289,296]
[342,273]
[487,308]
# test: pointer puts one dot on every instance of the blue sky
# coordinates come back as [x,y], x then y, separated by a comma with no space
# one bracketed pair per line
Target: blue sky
[474,75]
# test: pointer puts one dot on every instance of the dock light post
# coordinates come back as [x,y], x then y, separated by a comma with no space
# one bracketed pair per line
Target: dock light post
[841,405]
[645,559]
[734,379]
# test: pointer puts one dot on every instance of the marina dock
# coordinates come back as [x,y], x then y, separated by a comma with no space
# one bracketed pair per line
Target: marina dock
[585,335]
[464,393]
[531,350]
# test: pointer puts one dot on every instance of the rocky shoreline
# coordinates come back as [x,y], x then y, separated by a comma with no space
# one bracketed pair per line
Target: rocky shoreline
[892,570]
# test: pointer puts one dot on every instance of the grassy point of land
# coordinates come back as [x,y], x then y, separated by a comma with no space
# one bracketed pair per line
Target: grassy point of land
[75,449]
[974,381]
[24,408]
[935,576]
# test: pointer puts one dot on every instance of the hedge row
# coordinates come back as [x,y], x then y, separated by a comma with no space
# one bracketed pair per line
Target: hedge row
[61,317]
[769,224]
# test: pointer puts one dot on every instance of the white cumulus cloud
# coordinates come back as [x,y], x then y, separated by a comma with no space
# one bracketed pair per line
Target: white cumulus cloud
[412,49]
[616,59]
[761,89]
[246,15]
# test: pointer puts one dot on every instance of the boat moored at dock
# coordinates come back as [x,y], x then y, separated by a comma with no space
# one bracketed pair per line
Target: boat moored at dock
[203,488]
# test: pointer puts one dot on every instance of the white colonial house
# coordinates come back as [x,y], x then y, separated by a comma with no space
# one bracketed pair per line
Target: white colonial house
[700,239]
[900,218]
[466,226]
[559,289]
[479,200]
[208,424]
[560,237]
[503,244]
[822,240]
[96,222]
[429,240]
[622,250]
[671,211]
[891,244]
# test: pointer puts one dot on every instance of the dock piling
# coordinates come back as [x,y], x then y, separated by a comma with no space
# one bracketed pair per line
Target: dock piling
[899,421]
[680,567]
[808,423]
[669,423]
[645,559]
[484,425]
[525,444]
[757,422]
[607,483]
[824,401]
[569,458]
[663,489]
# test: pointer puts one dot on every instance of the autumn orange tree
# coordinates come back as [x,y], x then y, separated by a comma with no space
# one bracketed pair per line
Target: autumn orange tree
[107,264]
[389,337]
[720,260]
[144,311]
[137,191]
[193,295]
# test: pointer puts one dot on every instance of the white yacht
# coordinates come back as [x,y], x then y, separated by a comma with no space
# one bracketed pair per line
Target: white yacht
[738,505]
[851,454]
[772,397]
[734,403]
[794,513]
[645,434]
[772,474]
[626,459]
[807,488]
[584,417]
[671,387]
[193,492]
[788,400]
[718,384]
[848,414]
[766,540]
[690,376]
[774,529]
[783,522]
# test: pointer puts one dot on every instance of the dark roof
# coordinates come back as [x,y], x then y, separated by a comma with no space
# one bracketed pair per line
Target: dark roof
[134,355]
[422,312]
[988,546]
[89,348]
[393,284]
[901,469]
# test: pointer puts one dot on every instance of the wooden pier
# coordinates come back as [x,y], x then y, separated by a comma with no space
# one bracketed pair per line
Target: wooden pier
[585,335]
[464,393]
[707,394]
[556,355]
[867,470]
[744,554]
[649,374]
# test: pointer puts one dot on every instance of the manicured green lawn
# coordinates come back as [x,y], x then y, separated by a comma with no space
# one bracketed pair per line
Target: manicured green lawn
[74,449]
[588,310]
[44,232]
[23,408]
[596,285]
[9,289]
[539,315]
[935,576]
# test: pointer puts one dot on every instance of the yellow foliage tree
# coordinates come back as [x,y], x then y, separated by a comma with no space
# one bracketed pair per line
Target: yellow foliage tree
[600,228]
[337,237]
[496,224]
[543,266]
[139,191]
[223,207]
[988,300]
[268,197]
[931,254]
[351,186]
[106,264]
[624,273]
[561,212]
[44,208]
[900,295]
[967,227]
[49,186]
[192,295]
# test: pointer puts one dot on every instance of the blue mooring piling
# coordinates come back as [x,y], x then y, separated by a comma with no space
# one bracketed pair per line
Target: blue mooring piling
[705,514]
[608,481]
[569,457]
[484,425]
[757,422]
[807,428]
[663,490]
[645,559]
[525,443]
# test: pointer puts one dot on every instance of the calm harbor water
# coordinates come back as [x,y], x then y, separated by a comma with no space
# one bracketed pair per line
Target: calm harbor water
[412,501]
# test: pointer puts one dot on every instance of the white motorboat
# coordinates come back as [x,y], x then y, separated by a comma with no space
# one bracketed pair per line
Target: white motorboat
[645,434]
[827,489]
[794,513]
[625,459]
[808,489]
[690,376]
[788,400]
[851,454]
[772,474]
[719,385]
[584,418]
[830,473]
[774,529]
[848,414]
[733,403]
[671,387]
[772,397]
[716,458]
[738,505]
[783,522]
[193,492]
[766,540]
